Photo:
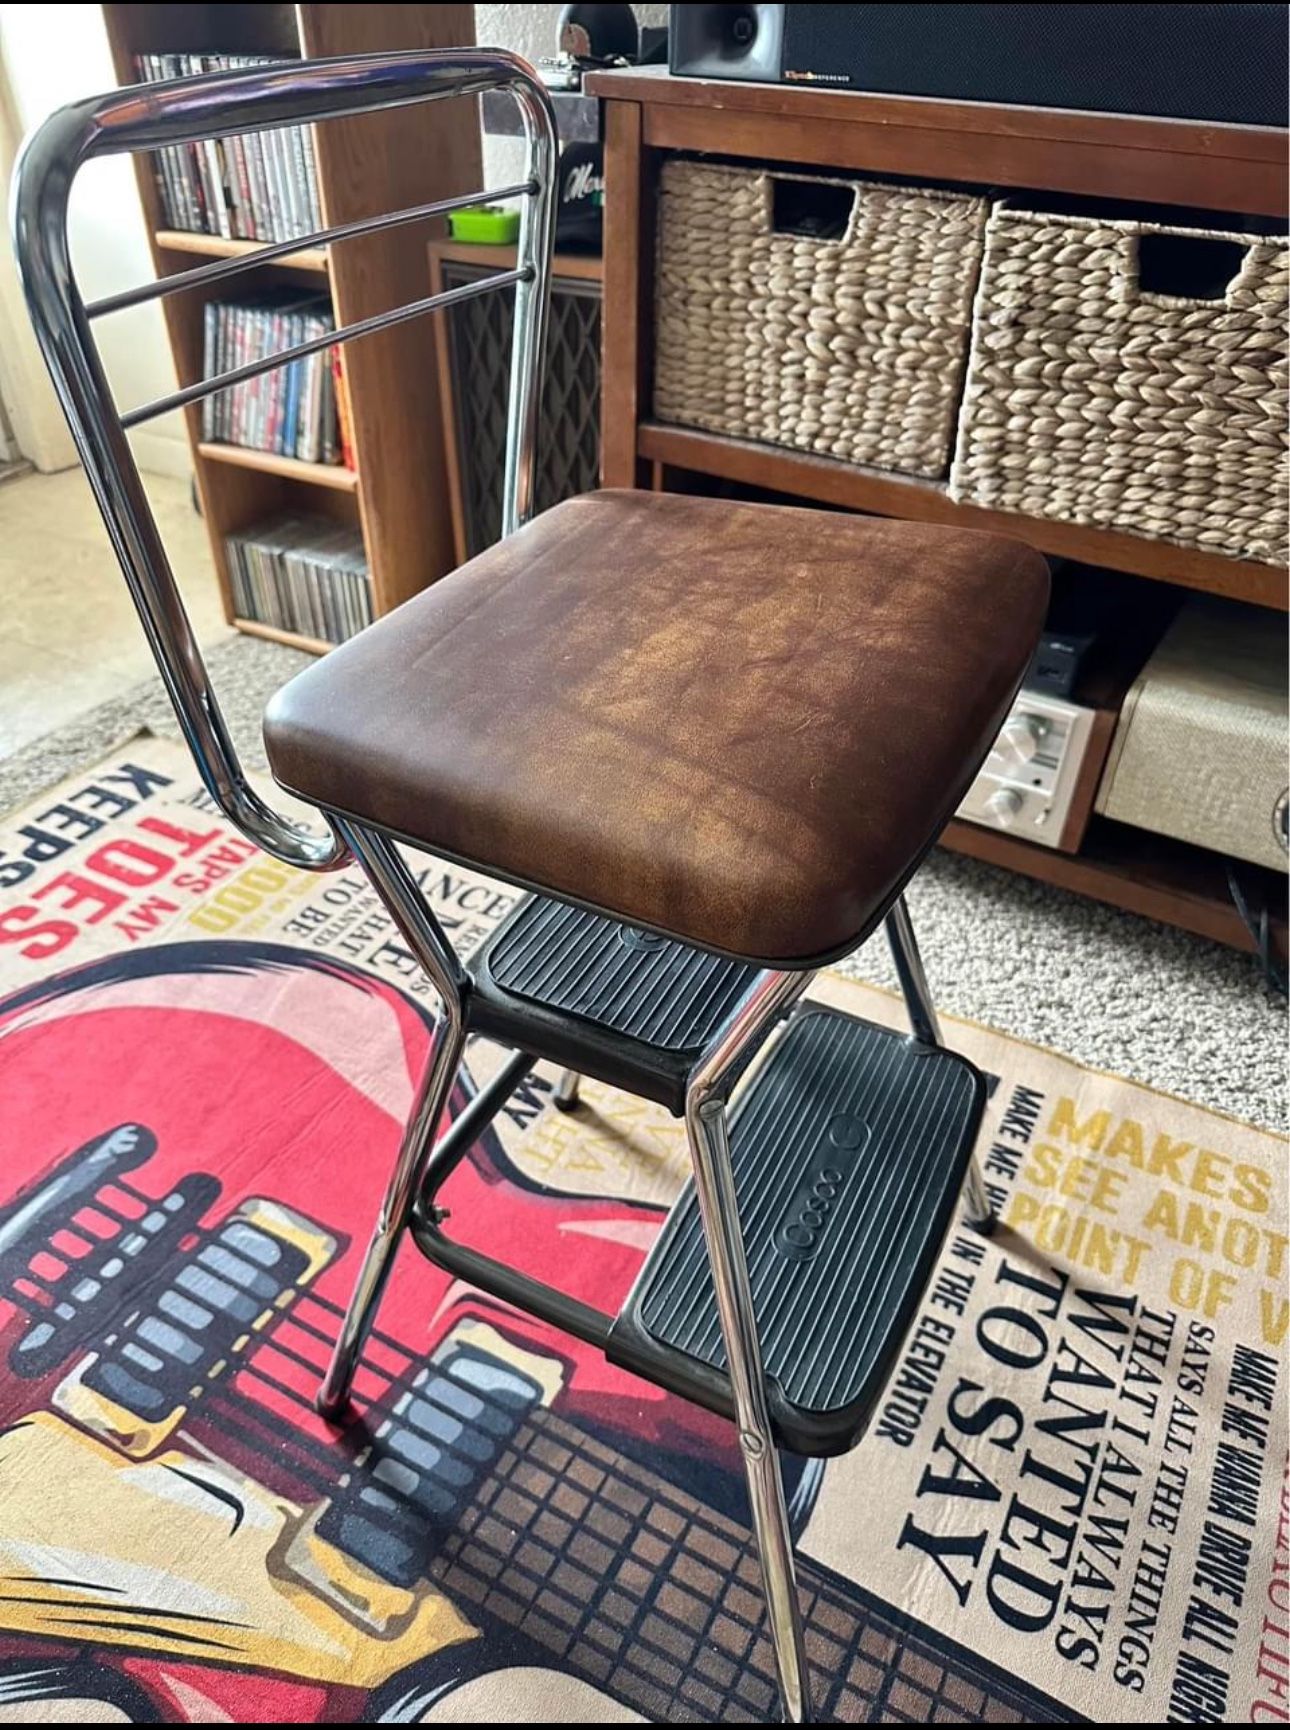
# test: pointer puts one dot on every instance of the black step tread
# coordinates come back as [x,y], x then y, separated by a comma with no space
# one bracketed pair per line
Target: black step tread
[633,982]
[627,1007]
[885,1126]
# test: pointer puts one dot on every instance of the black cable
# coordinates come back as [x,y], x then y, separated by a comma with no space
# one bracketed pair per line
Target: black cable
[1260,930]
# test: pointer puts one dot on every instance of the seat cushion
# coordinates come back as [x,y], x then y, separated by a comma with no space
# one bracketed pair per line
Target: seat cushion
[739,724]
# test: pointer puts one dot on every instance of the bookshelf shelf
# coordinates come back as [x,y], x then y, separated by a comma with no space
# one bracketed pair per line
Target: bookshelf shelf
[333,475]
[274,634]
[217,246]
[862,489]
[364,164]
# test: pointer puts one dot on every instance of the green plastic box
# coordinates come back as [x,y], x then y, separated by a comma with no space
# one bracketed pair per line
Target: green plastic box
[485,225]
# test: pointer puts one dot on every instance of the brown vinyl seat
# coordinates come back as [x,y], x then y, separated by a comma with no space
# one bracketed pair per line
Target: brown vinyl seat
[739,725]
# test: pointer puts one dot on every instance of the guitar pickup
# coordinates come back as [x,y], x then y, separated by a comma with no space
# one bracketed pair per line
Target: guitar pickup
[195,1326]
[444,1433]
[71,1313]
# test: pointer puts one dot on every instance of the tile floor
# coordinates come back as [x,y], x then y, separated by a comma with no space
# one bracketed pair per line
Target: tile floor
[71,637]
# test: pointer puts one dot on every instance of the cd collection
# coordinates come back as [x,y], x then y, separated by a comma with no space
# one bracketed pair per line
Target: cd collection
[303,574]
[257,186]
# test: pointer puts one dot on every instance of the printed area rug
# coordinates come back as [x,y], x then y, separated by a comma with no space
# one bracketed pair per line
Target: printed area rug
[1071,1501]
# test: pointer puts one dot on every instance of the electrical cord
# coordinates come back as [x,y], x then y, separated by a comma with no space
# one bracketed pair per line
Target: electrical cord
[1260,929]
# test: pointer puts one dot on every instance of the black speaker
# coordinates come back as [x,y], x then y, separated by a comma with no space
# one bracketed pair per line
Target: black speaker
[1185,62]
[479,360]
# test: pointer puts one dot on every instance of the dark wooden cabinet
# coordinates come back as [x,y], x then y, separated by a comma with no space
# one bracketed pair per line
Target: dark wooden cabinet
[1188,164]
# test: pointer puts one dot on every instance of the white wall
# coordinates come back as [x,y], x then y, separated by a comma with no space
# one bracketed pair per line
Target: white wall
[530,31]
[39,430]
[50,56]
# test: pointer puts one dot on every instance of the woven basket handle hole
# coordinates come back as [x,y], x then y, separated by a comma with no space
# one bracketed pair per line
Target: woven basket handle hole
[1188,266]
[814,209]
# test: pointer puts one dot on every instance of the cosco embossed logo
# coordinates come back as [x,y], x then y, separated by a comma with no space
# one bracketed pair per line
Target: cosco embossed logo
[815,1202]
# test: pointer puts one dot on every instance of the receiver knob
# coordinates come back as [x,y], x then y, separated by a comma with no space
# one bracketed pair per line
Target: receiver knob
[1004,804]
[1019,738]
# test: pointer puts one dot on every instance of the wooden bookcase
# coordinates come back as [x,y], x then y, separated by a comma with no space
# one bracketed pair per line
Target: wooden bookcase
[366,165]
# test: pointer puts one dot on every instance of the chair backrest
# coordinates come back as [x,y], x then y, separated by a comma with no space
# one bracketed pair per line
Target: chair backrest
[149,117]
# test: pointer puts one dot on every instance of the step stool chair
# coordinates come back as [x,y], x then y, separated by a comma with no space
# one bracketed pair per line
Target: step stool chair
[713,740]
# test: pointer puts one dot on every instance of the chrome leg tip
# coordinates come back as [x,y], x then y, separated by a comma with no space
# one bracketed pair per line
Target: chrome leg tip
[332,1407]
[568,1091]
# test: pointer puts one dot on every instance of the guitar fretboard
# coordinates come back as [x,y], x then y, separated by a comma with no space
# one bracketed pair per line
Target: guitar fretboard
[615,1575]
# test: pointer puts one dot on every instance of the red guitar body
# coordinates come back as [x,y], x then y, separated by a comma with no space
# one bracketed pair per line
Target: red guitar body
[215,1127]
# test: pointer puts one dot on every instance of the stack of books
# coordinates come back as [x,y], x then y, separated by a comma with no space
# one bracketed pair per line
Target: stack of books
[291,411]
[258,186]
[303,574]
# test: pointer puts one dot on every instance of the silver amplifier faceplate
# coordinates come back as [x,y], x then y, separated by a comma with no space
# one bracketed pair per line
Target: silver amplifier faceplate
[1026,784]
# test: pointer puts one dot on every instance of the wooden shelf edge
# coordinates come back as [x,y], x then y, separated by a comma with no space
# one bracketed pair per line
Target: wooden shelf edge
[1226,140]
[333,475]
[1149,875]
[585,266]
[275,634]
[218,246]
[891,495]
[374,163]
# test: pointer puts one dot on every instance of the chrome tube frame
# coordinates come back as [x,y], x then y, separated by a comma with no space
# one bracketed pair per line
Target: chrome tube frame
[977,1210]
[204,275]
[568,1090]
[770,997]
[329,339]
[926,1028]
[149,117]
[923,1019]
[425,937]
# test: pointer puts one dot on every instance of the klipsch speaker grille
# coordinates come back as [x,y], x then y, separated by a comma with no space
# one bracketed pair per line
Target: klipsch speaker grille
[479,349]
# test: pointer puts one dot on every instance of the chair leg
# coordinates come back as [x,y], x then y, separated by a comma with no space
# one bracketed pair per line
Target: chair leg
[567,1091]
[976,1202]
[714,1185]
[396,1210]
[397,889]
[913,981]
[927,1029]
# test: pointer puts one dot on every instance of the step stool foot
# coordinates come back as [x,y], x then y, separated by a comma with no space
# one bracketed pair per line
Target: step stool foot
[568,1091]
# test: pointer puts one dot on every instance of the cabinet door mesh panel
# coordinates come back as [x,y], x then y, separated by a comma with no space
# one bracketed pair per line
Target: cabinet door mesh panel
[479,348]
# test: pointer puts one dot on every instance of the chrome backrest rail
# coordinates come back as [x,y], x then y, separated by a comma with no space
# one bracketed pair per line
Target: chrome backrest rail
[329,339]
[148,117]
[203,275]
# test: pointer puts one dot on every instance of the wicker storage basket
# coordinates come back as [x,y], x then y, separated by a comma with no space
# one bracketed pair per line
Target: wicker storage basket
[852,347]
[1095,401]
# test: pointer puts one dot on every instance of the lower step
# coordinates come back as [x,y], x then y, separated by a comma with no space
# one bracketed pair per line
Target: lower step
[849,1147]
